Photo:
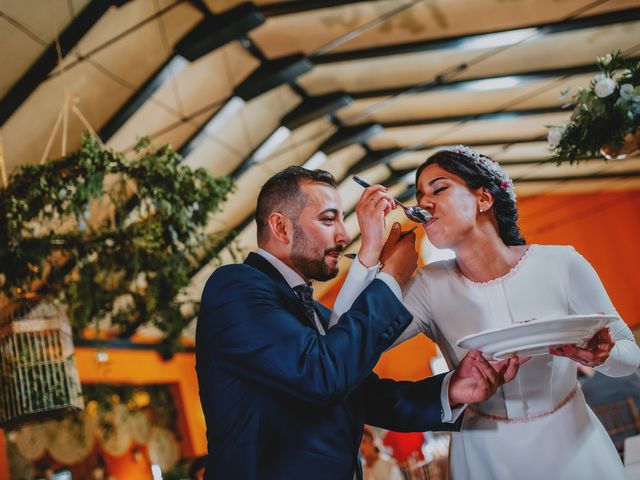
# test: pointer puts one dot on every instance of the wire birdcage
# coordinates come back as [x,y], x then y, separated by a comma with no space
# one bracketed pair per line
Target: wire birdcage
[38,374]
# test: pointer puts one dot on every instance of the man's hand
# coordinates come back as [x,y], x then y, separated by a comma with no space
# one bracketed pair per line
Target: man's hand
[476,380]
[399,256]
[373,206]
[594,353]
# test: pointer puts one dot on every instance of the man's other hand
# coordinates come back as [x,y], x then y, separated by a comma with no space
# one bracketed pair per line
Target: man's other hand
[476,380]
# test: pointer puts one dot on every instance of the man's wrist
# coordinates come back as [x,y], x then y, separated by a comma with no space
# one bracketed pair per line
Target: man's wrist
[369,257]
[449,412]
[453,401]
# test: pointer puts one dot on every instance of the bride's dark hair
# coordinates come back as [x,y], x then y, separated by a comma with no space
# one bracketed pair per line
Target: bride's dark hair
[475,176]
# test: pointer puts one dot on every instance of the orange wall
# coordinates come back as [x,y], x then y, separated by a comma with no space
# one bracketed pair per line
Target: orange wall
[147,367]
[604,227]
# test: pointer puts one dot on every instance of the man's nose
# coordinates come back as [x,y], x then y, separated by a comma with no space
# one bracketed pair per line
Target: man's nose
[342,235]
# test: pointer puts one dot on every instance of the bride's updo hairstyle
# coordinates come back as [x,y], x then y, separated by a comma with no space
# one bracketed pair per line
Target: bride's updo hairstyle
[477,170]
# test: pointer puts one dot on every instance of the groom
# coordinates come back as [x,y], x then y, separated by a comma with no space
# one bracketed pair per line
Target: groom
[284,395]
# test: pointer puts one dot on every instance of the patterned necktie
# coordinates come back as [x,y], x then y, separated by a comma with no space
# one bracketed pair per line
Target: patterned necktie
[304,293]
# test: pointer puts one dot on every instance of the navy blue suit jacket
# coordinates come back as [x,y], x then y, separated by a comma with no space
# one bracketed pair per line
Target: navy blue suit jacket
[283,402]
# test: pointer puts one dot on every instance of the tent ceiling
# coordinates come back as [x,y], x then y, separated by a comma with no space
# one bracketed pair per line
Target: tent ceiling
[350,86]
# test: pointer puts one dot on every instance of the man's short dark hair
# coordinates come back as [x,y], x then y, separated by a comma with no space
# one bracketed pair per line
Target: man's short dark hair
[282,194]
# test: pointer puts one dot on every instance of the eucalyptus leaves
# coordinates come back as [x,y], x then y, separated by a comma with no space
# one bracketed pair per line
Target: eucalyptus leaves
[117,238]
[605,115]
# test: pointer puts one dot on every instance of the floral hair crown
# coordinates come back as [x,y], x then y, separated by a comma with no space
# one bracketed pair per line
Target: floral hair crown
[491,166]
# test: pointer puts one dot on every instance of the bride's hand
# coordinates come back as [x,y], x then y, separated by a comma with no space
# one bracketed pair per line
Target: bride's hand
[595,353]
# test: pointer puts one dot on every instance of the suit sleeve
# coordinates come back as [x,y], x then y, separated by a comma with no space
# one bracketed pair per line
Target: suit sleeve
[405,406]
[244,327]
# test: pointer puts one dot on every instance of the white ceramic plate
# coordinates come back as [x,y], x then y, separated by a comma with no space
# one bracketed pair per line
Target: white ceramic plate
[532,338]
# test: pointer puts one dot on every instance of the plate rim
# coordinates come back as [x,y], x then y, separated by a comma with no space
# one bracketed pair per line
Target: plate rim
[598,316]
[506,352]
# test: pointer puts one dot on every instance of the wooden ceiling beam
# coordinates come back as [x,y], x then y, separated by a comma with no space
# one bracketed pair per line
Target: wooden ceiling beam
[469,84]
[458,43]
[208,35]
[490,116]
[596,176]
[300,6]
[47,61]
[386,156]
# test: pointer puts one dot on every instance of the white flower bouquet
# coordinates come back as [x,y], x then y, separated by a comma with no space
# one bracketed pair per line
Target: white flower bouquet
[606,116]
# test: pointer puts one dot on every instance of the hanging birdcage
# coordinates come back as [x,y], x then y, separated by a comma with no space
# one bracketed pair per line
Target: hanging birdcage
[38,374]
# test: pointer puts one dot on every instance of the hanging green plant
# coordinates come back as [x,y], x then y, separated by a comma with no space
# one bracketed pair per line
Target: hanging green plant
[606,116]
[115,238]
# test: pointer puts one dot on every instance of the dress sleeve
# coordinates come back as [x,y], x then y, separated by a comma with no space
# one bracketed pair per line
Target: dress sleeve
[417,299]
[588,296]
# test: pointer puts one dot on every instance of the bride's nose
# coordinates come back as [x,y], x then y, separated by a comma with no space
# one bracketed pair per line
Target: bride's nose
[428,206]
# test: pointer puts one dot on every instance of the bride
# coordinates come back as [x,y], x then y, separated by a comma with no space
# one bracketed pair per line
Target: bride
[539,425]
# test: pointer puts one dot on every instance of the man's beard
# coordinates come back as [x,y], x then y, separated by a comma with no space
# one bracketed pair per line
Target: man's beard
[313,268]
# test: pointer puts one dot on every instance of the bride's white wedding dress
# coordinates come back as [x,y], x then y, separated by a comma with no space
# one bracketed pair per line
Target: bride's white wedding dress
[538,426]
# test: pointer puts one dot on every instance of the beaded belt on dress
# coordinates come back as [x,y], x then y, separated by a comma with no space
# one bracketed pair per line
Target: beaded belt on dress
[500,418]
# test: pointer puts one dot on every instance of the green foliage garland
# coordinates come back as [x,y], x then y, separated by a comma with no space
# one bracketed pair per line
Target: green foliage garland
[113,237]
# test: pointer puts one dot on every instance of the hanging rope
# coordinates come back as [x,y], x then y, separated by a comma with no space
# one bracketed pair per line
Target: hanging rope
[52,135]
[85,122]
[69,103]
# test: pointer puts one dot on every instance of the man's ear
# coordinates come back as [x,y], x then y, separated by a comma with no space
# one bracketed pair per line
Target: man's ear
[281,227]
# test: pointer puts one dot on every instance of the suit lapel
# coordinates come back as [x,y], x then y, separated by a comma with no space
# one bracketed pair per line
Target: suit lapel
[260,263]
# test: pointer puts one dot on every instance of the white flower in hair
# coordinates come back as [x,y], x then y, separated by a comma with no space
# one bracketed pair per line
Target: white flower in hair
[491,166]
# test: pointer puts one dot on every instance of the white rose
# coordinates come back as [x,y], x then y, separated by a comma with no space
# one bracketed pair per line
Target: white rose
[605,87]
[627,91]
[598,77]
[554,136]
